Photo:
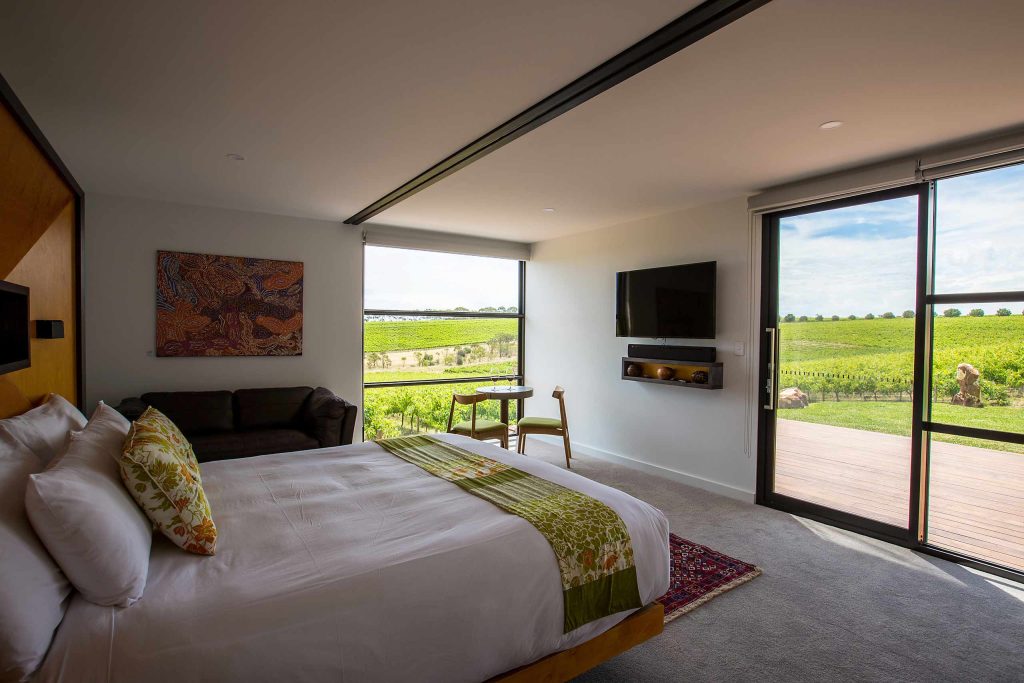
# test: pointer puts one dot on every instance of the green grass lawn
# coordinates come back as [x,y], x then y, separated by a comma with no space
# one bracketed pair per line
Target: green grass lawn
[400,335]
[894,418]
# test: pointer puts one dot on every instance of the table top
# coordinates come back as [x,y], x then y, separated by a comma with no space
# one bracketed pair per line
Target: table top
[505,392]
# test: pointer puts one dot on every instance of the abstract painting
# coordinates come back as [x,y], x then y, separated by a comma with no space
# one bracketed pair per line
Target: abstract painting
[210,305]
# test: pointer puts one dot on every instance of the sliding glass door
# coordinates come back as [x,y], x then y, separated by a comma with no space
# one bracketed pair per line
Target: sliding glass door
[841,333]
[893,365]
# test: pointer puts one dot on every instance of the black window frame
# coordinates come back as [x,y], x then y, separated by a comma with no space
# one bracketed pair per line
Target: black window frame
[519,315]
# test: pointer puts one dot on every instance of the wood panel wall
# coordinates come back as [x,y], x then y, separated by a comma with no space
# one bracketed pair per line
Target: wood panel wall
[39,238]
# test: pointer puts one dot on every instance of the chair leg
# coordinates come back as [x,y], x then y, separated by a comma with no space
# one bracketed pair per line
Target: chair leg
[568,449]
[521,446]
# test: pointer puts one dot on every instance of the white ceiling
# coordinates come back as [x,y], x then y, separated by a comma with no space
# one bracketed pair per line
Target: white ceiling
[333,103]
[336,104]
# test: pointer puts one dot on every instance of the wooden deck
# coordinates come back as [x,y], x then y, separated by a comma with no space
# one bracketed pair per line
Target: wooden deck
[976,496]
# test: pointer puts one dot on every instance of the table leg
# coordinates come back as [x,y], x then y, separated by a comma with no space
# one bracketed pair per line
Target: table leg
[504,411]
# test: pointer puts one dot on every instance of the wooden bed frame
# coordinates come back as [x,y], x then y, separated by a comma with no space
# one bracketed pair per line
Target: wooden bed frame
[642,625]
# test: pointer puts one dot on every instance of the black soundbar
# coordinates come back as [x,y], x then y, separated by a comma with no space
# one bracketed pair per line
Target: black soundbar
[704,354]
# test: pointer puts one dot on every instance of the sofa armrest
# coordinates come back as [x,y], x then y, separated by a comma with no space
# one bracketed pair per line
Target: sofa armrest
[330,419]
[132,408]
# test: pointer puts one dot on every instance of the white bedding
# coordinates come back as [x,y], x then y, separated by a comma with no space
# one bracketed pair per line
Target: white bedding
[348,564]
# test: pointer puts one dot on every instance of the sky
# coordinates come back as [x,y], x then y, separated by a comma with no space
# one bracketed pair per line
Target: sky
[405,279]
[862,259]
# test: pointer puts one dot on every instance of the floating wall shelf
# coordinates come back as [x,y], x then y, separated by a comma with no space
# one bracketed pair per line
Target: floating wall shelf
[683,372]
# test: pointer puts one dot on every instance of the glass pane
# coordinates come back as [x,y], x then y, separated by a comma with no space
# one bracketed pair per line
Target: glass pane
[976,498]
[979,225]
[846,358]
[396,411]
[978,366]
[404,348]
[412,280]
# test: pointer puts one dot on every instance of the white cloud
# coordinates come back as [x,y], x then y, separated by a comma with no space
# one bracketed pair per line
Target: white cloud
[863,259]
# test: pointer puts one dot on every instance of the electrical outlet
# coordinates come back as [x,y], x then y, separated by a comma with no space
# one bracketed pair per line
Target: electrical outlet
[738,348]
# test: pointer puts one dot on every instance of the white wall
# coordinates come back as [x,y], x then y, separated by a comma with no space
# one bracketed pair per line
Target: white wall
[702,437]
[121,239]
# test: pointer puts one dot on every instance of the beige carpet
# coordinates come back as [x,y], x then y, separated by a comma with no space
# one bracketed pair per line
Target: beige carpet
[830,606]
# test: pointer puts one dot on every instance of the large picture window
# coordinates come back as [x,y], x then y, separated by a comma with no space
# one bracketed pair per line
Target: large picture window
[433,324]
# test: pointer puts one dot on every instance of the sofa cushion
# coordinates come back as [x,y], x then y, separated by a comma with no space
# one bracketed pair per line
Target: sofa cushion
[263,441]
[271,408]
[256,442]
[221,446]
[195,412]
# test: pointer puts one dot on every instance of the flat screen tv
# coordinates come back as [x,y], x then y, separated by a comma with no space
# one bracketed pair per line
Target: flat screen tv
[14,337]
[671,302]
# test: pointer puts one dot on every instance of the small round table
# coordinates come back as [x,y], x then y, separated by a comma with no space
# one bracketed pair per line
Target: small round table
[505,394]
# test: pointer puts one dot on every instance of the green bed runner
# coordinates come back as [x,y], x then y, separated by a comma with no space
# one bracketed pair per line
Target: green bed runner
[589,539]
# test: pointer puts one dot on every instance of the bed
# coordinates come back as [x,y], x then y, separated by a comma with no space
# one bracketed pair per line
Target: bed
[349,563]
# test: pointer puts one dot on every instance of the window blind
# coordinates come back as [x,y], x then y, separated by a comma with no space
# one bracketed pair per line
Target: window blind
[936,163]
[430,240]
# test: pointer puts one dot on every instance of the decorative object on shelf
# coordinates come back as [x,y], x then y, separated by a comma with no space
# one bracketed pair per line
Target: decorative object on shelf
[49,329]
[672,373]
[210,305]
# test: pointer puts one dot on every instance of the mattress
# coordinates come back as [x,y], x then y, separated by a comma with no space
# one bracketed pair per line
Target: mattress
[349,564]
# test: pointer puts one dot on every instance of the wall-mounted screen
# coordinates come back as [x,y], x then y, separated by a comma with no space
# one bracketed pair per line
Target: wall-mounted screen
[672,302]
[14,335]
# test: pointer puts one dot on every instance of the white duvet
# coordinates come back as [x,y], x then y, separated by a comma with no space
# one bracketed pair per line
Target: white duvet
[348,564]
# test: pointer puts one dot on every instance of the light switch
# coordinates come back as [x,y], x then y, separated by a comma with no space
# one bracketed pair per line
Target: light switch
[738,348]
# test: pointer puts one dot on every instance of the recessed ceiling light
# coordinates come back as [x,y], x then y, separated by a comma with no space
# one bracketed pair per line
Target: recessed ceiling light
[234,157]
[829,125]
[548,209]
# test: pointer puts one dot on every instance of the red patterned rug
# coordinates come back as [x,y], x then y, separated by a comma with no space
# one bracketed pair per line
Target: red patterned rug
[699,574]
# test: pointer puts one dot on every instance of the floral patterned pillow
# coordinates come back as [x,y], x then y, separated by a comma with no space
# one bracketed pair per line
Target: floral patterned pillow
[161,472]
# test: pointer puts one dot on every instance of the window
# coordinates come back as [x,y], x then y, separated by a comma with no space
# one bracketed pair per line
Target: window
[434,324]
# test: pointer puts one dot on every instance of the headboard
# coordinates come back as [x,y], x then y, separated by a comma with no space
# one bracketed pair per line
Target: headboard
[40,230]
[12,401]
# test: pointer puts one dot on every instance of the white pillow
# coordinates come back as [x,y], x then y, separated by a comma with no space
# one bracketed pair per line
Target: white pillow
[44,430]
[33,591]
[87,519]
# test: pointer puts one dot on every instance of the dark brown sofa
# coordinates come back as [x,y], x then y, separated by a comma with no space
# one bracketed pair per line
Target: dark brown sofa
[221,424]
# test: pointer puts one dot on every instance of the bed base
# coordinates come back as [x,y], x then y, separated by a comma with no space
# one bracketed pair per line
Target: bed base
[642,625]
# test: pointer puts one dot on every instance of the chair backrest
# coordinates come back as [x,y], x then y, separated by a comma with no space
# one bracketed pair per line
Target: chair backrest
[468,399]
[559,394]
[465,400]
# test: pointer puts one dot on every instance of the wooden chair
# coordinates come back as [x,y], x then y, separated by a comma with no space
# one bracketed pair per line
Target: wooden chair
[547,425]
[474,428]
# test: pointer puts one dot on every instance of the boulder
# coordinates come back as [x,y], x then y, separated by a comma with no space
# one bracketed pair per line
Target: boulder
[969,379]
[793,398]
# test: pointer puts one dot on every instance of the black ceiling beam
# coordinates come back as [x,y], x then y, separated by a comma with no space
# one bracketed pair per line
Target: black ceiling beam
[698,23]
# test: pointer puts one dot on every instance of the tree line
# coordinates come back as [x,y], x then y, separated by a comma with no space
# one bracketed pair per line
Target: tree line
[889,315]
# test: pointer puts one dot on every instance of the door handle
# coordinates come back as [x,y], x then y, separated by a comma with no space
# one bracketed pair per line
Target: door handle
[769,382]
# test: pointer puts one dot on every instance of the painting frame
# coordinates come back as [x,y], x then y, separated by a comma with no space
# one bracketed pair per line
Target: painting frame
[212,305]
